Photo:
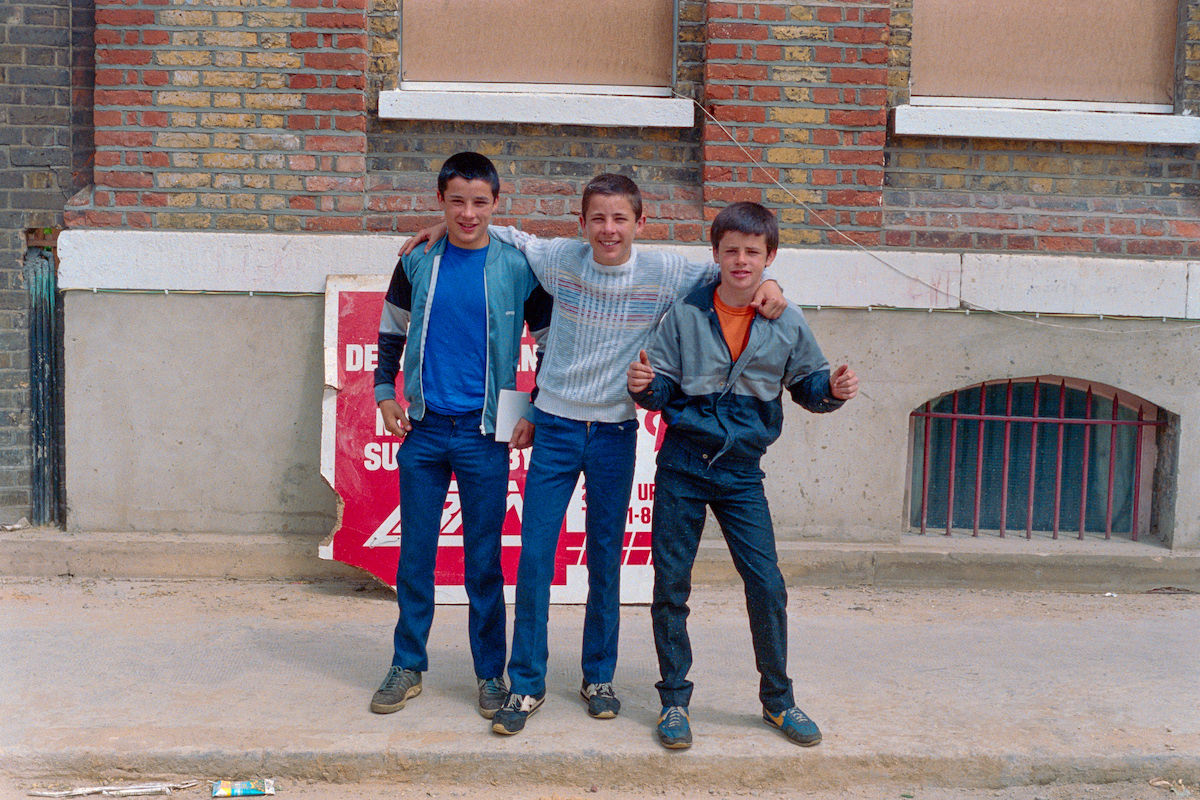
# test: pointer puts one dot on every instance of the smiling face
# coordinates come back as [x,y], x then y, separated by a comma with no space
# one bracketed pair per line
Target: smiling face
[742,258]
[467,206]
[610,225]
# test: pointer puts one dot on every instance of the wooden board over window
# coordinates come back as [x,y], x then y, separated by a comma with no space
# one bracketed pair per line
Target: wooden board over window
[613,42]
[1118,51]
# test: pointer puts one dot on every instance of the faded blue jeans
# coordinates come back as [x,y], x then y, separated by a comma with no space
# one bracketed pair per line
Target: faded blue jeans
[437,446]
[684,484]
[562,449]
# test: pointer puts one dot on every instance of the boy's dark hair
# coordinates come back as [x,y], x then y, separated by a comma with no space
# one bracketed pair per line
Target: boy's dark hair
[614,185]
[471,167]
[748,218]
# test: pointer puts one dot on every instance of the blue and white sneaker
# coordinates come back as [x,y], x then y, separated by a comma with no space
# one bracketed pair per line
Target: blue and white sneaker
[674,728]
[795,725]
[601,700]
[511,717]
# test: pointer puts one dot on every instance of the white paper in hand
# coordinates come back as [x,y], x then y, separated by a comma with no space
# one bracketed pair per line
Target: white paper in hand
[510,408]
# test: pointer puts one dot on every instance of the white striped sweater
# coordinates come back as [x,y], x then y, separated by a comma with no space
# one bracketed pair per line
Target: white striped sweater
[602,317]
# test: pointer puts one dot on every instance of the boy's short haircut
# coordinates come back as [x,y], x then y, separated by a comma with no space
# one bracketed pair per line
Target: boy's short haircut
[612,184]
[470,167]
[748,218]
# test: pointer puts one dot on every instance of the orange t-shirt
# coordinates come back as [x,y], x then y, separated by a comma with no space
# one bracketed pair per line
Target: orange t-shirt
[735,324]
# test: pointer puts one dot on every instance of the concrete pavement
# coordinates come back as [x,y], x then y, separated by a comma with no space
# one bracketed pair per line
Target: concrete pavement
[106,679]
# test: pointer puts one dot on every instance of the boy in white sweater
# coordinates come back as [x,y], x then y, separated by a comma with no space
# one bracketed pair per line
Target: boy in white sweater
[608,297]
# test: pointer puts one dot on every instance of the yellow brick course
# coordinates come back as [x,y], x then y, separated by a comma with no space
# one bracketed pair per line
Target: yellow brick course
[179,18]
[187,99]
[169,220]
[183,180]
[800,74]
[243,222]
[244,202]
[227,160]
[183,58]
[818,33]
[241,80]
[275,19]
[190,141]
[799,116]
[273,60]
[804,195]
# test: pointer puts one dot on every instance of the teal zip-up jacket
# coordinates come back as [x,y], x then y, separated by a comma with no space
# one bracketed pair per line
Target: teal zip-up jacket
[728,409]
[513,297]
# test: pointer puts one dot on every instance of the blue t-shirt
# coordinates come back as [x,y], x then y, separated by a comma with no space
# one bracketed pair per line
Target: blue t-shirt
[454,369]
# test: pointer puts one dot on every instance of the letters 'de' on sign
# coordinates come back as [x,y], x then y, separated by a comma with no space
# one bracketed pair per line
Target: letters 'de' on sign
[358,459]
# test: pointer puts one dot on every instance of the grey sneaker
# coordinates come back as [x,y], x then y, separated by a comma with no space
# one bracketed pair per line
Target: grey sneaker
[398,686]
[601,700]
[492,694]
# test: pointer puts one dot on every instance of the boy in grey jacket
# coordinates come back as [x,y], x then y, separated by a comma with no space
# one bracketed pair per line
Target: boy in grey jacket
[717,371]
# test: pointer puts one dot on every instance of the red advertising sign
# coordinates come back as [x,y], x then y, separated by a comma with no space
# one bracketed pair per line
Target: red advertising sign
[359,461]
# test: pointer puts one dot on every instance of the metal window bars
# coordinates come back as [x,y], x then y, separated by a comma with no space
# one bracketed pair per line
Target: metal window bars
[940,480]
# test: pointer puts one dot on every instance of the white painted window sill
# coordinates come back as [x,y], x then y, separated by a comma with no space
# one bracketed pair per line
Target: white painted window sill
[555,108]
[1046,125]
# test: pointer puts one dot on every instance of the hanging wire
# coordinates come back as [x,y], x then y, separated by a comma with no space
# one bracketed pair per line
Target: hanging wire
[968,306]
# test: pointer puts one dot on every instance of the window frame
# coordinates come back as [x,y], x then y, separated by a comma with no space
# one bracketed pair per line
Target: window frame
[544,103]
[1054,120]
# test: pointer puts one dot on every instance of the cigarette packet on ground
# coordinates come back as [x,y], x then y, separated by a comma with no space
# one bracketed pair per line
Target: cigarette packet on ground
[254,788]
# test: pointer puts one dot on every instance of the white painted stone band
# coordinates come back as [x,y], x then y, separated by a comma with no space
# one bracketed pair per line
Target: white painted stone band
[283,262]
[548,108]
[1065,126]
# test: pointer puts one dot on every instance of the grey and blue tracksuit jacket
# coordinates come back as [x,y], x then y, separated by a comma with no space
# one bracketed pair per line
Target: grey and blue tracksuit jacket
[513,297]
[731,410]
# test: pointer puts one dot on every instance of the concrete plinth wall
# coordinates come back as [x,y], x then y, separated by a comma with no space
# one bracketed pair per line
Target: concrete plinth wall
[194,413]
[202,412]
[844,475]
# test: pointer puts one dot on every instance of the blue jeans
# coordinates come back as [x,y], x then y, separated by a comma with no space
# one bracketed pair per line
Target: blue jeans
[683,485]
[437,446]
[562,449]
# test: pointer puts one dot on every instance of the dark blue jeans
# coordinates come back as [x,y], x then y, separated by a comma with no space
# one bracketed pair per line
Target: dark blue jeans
[684,484]
[562,449]
[437,446]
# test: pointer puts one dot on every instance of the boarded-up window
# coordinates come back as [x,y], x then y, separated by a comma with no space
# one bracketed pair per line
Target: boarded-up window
[1116,51]
[607,43]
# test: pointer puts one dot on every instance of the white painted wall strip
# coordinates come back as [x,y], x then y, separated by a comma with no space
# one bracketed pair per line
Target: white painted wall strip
[550,108]
[260,262]
[1071,126]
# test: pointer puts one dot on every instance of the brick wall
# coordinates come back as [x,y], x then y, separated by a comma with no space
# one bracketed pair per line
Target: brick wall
[228,116]
[544,168]
[801,86]
[43,159]
[262,118]
[1071,197]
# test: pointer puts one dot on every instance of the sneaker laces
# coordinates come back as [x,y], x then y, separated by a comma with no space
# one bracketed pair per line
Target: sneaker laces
[392,680]
[518,702]
[601,690]
[673,717]
[794,714]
